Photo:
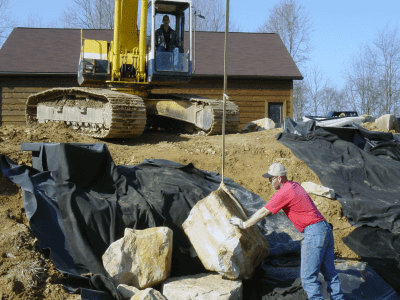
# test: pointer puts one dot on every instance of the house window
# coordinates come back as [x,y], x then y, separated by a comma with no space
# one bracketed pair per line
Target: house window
[275,111]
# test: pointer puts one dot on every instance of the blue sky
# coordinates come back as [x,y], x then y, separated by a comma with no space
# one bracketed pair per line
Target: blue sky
[340,26]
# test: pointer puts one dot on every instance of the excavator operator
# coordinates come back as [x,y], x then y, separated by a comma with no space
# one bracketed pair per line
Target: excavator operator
[167,41]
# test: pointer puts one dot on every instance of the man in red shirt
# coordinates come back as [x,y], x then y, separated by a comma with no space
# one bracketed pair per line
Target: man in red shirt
[317,250]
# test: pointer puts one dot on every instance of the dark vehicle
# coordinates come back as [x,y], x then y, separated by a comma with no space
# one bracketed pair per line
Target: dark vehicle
[336,114]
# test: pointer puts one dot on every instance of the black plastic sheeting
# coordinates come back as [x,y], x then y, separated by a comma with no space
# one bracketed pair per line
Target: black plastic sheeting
[383,144]
[358,281]
[78,202]
[365,174]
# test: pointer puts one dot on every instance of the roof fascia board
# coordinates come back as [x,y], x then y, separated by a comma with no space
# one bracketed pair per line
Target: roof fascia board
[33,73]
[194,76]
[249,76]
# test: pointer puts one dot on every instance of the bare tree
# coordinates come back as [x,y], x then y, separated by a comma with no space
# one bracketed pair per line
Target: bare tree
[290,20]
[99,14]
[387,43]
[349,95]
[362,80]
[214,16]
[7,23]
[340,100]
[373,75]
[90,14]
[333,99]
[315,87]
[300,103]
[34,21]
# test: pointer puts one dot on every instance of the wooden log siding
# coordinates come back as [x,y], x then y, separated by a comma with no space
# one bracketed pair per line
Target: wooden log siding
[13,102]
[251,96]
[15,90]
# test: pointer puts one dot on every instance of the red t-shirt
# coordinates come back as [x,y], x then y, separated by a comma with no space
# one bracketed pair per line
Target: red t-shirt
[297,205]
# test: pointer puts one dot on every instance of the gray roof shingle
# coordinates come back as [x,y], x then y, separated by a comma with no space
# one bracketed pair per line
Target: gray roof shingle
[56,51]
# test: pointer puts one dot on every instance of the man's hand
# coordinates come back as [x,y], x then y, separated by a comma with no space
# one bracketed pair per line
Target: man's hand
[235,221]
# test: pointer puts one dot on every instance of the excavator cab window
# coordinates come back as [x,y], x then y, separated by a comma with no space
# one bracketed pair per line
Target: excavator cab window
[170,56]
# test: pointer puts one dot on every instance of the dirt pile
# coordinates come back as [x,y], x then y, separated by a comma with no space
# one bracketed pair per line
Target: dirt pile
[25,271]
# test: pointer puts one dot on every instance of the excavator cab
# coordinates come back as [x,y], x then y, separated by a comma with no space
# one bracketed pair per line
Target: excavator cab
[170,63]
[134,57]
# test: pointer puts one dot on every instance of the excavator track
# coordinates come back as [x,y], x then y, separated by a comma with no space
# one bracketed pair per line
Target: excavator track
[99,113]
[104,113]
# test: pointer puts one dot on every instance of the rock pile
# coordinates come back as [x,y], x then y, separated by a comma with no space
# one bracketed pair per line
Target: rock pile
[142,258]
[385,123]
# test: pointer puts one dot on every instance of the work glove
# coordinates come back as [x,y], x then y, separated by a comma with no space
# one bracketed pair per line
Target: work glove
[235,221]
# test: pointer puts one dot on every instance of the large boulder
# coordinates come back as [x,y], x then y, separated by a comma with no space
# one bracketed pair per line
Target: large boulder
[142,258]
[222,247]
[259,125]
[201,287]
[131,293]
[387,123]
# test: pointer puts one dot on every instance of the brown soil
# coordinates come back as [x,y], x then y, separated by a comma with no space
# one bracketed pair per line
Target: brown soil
[25,271]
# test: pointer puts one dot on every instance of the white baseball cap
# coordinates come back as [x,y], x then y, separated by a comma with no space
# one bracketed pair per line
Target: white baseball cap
[276,169]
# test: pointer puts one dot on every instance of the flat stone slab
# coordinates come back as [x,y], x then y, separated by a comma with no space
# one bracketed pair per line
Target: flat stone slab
[131,293]
[202,287]
[222,247]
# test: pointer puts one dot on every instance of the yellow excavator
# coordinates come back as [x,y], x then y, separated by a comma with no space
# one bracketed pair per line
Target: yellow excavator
[116,77]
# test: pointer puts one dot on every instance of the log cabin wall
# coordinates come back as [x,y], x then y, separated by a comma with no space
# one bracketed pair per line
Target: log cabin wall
[251,95]
[15,90]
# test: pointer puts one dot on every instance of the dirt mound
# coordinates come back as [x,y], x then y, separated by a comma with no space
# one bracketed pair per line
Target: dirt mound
[26,273]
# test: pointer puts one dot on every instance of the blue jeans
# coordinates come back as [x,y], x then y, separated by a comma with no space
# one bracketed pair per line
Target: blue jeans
[174,50]
[317,255]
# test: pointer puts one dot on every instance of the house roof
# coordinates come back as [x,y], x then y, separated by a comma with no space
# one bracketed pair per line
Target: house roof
[56,51]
